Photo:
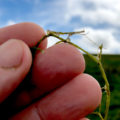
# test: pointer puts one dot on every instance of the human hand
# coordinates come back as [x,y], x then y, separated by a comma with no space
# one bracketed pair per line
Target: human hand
[57,90]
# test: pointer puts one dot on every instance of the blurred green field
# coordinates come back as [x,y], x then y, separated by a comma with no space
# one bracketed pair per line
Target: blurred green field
[111,64]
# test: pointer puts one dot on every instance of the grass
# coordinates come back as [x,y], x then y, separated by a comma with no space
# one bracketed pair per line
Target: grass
[111,64]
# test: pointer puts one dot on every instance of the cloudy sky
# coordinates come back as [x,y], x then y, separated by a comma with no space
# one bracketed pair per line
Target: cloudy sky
[99,18]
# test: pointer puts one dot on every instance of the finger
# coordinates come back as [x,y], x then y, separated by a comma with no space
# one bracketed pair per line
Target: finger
[73,101]
[15,62]
[51,69]
[56,66]
[30,33]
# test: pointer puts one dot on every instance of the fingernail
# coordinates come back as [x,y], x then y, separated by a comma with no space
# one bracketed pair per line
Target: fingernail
[11,53]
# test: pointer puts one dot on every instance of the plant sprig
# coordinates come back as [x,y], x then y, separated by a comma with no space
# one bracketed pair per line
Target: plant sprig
[94,58]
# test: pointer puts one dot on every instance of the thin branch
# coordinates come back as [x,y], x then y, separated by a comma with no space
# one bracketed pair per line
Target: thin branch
[99,114]
[68,33]
[100,54]
[97,60]
[107,89]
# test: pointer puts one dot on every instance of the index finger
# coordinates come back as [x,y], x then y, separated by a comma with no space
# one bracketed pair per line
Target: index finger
[29,32]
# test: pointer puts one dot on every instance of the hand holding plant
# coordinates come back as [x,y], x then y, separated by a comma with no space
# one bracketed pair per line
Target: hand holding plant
[49,86]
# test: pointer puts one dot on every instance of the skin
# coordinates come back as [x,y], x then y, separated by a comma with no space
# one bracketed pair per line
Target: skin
[56,89]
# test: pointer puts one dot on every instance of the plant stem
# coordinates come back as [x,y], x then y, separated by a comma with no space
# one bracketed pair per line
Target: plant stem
[68,33]
[101,69]
[44,37]
[98,61]
[107,89]
[91,56]
[99,114]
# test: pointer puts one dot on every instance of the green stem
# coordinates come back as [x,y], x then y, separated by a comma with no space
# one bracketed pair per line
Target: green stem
[99,114]
[60,38]
[102,72]
[107,89]
[44,37]
[64,40]
[98,61]
[63,33]
[91,56]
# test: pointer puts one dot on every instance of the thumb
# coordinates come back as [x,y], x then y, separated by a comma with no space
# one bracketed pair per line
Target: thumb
[15,62]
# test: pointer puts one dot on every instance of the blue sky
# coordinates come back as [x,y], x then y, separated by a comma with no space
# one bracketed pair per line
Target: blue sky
[99,18]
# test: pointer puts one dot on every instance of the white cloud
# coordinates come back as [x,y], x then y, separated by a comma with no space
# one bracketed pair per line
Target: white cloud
[52,41]
[92,12]
[93,39]
[59,13]
[96,37]
[11,22]
[95,11]
[51,12]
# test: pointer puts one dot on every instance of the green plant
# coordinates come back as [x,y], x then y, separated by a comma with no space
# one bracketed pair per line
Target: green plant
[96,59]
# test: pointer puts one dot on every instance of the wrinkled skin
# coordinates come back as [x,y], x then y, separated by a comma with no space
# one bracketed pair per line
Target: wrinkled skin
[54,87]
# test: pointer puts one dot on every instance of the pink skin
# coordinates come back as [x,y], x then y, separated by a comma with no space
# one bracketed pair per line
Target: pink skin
[21,57]
[84,119]
[80,94]
[56,66]
[29,32]
[69,102]
[52,72]
[15,63]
